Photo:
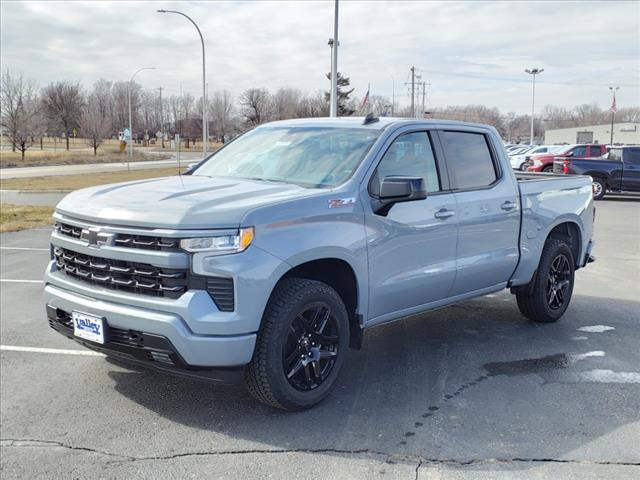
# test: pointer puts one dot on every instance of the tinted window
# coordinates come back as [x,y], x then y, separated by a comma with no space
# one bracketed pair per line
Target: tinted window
[596,151]
[411,155]
[580,151]
[469,157]
[632,155]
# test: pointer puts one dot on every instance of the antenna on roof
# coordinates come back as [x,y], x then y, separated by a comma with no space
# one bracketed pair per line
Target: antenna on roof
[370,118]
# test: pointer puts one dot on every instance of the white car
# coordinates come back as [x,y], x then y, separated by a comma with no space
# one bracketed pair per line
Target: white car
[519,158]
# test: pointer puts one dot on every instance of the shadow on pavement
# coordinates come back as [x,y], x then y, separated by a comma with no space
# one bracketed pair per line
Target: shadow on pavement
[471,381]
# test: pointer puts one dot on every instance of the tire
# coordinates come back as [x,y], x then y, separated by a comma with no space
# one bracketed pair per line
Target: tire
[291,340]
[536,301]
[548,169]
[599,188]
[523,167]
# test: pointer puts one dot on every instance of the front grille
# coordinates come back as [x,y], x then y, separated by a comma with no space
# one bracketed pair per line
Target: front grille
[145,242]
[131,277]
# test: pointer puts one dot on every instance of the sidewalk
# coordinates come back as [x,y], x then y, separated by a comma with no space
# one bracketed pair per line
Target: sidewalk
[24,172]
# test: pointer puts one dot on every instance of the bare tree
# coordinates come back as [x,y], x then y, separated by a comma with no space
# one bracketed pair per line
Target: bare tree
[256,105]
[286,103]
[222,109]
[63,103]
[19,107]
[313,105]
[94,126]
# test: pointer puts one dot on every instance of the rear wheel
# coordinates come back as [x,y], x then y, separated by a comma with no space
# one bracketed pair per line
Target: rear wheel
[300,346]
[548,169]
[599,188]
[548,297]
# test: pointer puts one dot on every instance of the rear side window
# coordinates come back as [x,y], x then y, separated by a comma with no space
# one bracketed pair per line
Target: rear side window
[596,151]
[580,151]
[469,157]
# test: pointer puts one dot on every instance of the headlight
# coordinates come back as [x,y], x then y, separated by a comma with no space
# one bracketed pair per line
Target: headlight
[220,245]
[537,162]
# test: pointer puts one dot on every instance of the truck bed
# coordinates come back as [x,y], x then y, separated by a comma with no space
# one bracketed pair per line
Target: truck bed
[548,199]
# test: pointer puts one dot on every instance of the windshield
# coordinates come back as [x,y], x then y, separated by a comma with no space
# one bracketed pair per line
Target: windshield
[307,156]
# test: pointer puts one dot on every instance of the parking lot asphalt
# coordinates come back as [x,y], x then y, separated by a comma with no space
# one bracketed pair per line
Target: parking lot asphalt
[469,391]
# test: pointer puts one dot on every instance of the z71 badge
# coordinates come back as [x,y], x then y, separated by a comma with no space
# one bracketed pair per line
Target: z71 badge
[341,202]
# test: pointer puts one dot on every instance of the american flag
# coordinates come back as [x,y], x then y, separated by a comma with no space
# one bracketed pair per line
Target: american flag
[365,100]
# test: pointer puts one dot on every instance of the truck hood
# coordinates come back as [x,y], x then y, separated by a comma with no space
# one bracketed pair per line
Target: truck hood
[180,202]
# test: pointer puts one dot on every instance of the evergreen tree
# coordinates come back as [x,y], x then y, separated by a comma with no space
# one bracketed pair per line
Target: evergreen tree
[345,107]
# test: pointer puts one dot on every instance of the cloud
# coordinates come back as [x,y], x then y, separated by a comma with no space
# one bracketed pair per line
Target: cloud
[470,52]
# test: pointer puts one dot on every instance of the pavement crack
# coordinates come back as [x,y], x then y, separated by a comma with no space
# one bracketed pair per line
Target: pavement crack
[31,442]
[421,461]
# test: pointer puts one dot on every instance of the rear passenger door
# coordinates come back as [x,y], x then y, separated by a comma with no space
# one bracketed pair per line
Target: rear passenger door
[488,213]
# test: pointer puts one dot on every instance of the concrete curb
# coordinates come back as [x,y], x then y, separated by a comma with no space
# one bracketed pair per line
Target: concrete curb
[34,191]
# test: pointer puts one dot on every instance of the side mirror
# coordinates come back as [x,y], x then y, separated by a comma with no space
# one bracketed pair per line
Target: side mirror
[398,189]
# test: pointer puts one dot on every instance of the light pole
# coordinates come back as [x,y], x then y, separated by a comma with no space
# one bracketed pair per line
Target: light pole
[333,98]
[130,126]
[613,110]
[205,127]
[533,72]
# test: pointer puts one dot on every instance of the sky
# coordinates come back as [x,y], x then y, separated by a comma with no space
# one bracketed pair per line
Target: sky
[469,52]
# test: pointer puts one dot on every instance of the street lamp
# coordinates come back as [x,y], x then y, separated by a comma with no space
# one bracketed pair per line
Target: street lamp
[533,72]
[130,126]
[613,110]
[333,97]
[205,127]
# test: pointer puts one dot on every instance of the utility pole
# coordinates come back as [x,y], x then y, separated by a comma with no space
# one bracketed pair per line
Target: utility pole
[533,72]
[413,87]
[393,95]
[333,42]
[161,118]
[613,110]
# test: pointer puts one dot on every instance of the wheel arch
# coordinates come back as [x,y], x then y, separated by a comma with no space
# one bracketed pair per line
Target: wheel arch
[340,275]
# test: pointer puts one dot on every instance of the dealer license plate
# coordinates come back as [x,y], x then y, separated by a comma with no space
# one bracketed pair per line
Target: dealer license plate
[88,327]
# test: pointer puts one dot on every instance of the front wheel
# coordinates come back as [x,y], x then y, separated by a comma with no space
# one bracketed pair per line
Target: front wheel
[300,347]
[548,169]
[548,297]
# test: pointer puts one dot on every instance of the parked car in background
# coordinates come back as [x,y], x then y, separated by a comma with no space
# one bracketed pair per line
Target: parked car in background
[616,171]
[518,161]
[544,162]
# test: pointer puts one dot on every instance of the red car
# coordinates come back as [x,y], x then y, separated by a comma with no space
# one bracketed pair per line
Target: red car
[544,162]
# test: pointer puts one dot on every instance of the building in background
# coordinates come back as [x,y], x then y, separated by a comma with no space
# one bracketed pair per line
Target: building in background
[623,133]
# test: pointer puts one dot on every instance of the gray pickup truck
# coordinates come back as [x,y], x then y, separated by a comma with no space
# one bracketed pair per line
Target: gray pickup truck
[270,258]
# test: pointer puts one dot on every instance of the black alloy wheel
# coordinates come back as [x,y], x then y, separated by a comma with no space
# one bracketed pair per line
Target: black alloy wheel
[311,348]
[558,282]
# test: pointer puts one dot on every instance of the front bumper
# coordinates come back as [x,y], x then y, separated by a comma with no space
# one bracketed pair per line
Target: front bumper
[197,350]
[145,350]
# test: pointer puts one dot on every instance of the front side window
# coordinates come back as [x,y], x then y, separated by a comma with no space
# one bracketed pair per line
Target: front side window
[469,157]
[631,155]
[411,155]
[306,156]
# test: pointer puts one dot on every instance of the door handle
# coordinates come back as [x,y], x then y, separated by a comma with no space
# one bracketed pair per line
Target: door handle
[508,205]
[443,214]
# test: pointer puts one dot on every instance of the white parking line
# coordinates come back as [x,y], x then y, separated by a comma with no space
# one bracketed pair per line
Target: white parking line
[25,248]
[13,280]
[58,351]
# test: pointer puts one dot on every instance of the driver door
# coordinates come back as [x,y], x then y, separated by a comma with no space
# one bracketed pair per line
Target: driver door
[412,250]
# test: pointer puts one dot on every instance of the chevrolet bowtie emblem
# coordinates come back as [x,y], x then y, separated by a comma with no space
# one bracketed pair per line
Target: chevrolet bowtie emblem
[95,238]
